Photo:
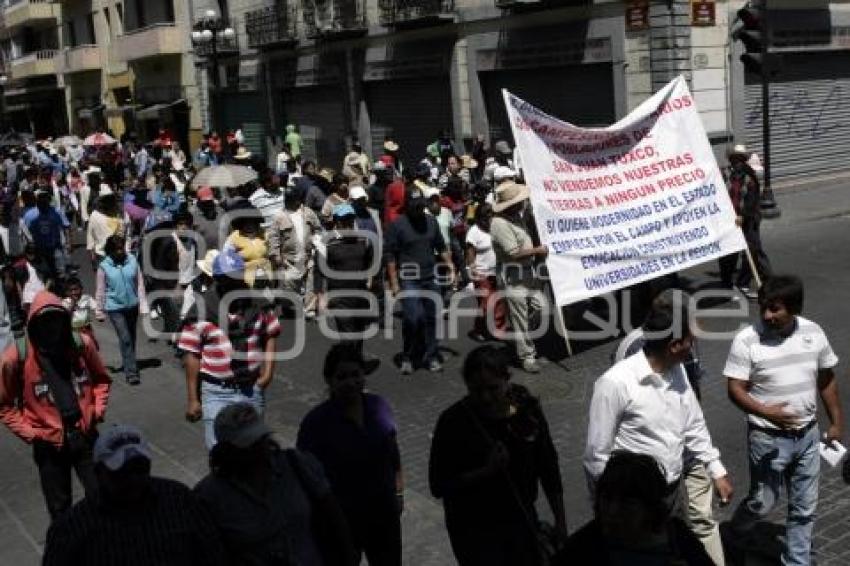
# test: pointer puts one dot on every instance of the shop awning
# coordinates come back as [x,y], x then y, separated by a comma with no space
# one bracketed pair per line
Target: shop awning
[11,108]
[155,111]
[88,113]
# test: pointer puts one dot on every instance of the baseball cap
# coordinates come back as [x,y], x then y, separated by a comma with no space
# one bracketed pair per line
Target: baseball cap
[357,192]
[239,425]
[343,210]
[206,193]
[118,445]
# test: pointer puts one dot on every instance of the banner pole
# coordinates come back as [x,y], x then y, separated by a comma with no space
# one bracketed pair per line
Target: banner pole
[753,269]
[559,315]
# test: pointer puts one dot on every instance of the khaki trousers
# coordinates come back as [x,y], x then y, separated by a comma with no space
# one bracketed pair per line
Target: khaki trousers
[700,492]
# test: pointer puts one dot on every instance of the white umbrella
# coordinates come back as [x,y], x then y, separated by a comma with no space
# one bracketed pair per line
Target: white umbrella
[68,141]
[224,176]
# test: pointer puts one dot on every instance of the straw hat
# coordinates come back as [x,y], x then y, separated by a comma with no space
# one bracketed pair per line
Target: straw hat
[242,153]
[467,162]
[739,149]
[390,145]
[508,195]
[206,264]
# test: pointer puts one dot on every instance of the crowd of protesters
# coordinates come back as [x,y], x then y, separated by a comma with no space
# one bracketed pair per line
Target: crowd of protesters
[225,247]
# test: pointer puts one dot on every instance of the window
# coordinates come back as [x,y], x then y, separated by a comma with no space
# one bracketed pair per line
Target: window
[108,22]
[92,37]
[71,30]
[223,10]
[140,14]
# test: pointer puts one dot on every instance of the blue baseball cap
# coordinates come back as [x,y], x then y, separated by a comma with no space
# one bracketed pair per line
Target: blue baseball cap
[343,210]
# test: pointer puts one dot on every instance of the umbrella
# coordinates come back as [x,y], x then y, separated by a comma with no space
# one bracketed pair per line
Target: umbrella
[13,139]
[68,141]
[99,139]
[224,176]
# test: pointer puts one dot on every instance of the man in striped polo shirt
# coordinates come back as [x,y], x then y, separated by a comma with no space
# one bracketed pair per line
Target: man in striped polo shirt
[268,198]
[775,371]
[227,361]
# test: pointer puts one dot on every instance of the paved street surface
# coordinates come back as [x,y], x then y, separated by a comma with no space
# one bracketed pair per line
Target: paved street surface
[810,239]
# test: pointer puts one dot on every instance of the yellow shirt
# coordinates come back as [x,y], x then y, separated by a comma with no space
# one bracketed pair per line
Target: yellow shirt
[251,249]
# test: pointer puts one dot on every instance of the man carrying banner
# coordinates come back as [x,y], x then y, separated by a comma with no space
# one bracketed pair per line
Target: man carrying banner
[745,193]
[516,255]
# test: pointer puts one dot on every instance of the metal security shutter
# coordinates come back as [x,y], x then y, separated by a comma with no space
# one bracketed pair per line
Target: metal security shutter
[810,125]
[246,111]
[579,94]
[319,114]
[411,111]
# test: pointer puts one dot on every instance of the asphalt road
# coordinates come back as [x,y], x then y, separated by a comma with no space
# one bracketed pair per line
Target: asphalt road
[811,239]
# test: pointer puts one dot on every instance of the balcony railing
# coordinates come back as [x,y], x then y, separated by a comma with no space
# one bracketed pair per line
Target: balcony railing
[401,13]
[17,13]
[334,19]
[533,4]
[271,26]
[37,63]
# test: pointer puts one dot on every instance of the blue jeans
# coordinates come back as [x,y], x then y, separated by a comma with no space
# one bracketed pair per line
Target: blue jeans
[124,321]
[419,315]
[774,461]
[214,398]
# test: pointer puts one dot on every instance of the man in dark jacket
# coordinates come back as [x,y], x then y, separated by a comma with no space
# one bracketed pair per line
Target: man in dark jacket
[133,518]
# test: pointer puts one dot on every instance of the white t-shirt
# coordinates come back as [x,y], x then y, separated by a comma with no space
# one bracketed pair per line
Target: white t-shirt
[485,257]
[782,370]
[32,286]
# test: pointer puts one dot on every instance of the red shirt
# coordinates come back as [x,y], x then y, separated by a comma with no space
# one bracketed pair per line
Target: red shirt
[394,198]
[25,404]
[212,345]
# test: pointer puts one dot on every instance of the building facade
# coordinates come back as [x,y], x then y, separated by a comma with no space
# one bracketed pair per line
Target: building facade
[369,69]
[85,65]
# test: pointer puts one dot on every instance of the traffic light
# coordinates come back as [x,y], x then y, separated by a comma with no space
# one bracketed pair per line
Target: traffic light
[751,30]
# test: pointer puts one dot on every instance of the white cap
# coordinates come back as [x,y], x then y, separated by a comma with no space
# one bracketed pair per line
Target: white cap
[357,192]
[501,173]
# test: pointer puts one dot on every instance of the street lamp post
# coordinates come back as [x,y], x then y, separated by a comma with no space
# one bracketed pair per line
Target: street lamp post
[207,32]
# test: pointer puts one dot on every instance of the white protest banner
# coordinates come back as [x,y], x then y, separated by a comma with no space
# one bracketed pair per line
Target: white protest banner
[620,205]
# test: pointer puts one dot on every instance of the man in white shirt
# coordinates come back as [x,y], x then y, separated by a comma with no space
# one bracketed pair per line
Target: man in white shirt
[775,371]
[645,405]
[268,198]
[697,481]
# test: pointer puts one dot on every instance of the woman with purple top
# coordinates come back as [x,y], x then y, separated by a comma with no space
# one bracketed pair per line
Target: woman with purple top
[353,435]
